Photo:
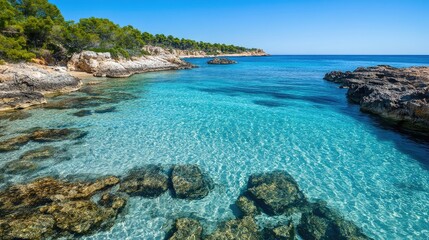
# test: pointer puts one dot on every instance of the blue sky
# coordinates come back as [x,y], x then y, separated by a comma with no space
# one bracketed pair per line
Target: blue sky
[279,27]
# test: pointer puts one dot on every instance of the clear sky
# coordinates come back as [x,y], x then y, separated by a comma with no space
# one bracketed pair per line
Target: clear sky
[279,27]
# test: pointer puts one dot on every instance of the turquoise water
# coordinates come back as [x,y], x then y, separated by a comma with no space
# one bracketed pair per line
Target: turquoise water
[262,114]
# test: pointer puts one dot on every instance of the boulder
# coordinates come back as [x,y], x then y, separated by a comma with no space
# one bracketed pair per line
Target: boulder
[23,85]
[150,182]
[282,232]
[324,223]
[245,228]
[39,154]
[48,208]
[186,229]
[276,193]
[189,182]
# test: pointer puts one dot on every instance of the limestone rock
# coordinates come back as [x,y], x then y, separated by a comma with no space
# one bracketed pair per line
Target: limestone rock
[186,229]
[189,182]
[283,232]
[103,65]
[276,193]
[247,206]
[397,94]
[23,85]
[150,181]
[245,228]
[39,153]
[324,223]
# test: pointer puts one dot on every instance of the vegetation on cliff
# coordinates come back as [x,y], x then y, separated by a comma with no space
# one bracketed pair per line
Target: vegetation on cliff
[36,28]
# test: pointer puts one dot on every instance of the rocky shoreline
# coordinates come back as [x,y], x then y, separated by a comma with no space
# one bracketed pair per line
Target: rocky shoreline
[399,95]
[54,208]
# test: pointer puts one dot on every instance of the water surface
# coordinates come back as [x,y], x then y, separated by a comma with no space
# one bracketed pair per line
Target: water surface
[262,114]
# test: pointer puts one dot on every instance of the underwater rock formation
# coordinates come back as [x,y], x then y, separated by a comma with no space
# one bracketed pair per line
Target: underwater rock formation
[150,182]
[186,229]
[324,223]
[245,228]
[189,182]
[276,193]
[41,135]
[50,208]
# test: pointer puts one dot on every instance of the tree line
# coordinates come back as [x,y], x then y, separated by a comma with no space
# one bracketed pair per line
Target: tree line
[36,29]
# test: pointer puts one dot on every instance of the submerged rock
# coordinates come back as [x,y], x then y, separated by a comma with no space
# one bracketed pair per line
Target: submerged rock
[19,167]
[39,154]
[79,216]
[245,228]
[283,232]
[221,61]
[150,181]
[32,226]
[82,113]
[49,208]
[397,94]
[53,135]
[14,115]
[276,193]
[247,206]
[105,110]
[186,229]
[14,143]
[324,223]
[189,182]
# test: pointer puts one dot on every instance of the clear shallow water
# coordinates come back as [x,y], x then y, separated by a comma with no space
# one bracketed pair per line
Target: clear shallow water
[259,115]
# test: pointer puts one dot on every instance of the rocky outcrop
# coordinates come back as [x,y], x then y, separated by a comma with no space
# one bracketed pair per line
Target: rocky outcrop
[221,61]
[189,182]
[103,65]
[324,223]
[276,193]
[49,208]
[245,228]
[398,94]
[282,232]
[150,182]
[41,135]
[23,85]
[186,229]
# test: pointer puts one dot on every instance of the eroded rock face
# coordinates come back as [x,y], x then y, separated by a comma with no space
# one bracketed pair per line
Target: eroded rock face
[221,61]
[398,94]
[324,223]
[23,85]
[189,182]
[49,208]
[186,229]
[245,228]
[276,193]
[150,181]
[103,65]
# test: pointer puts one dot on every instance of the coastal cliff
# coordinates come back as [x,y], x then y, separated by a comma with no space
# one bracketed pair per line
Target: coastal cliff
[202,54]
[397,94]
[103,65]
[23,85]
